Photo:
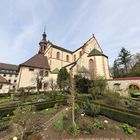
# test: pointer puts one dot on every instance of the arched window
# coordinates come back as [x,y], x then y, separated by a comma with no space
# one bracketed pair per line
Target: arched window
[91,69]
[80,53]
[133,86]
[67,58]
[58,55]
[74,57]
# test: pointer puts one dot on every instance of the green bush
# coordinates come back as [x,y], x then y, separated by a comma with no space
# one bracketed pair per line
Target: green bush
[131,119]
[59,124]
[128,129]
[112,98]
[97,124]
[4,100]
[38,105]
[85,129]
[91,109]
[4,125]
[117,108]
[74,129]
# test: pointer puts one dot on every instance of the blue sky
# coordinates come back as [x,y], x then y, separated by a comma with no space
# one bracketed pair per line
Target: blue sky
[69,23]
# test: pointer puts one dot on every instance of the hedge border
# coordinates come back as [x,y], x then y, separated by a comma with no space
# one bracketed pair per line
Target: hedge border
[117,108]
[118,115]
[4,111]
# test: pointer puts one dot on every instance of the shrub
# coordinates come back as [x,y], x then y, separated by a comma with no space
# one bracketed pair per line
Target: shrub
[4,125]
[117,108]
[112,98]
[86,129]
[74,129]
[121,116]
[97,124]
[59,124]
[128,129]
[82,84]
[91,109]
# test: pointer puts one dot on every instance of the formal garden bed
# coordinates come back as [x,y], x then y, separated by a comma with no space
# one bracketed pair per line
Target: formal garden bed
[89,127]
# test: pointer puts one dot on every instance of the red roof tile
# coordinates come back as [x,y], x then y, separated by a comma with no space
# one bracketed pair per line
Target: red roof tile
[37,61]
[3,80]
[125,78]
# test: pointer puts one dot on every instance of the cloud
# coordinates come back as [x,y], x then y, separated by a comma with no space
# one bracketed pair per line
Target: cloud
[68,24]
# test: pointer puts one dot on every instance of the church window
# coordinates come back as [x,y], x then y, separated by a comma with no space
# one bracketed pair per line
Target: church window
[91,69]
[15,81]
[74,57]
[9,81]
[80,53]
[58,55]
[67,58]
[4,75]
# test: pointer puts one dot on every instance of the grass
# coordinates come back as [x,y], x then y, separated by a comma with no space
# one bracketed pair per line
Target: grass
[48,111]
[5,100]
[59,124]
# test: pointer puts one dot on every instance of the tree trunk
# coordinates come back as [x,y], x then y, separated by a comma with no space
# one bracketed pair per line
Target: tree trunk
[73,98]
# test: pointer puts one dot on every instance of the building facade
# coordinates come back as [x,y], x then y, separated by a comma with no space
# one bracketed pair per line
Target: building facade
[10,73]
[4,85]
[123,85]
[89,58]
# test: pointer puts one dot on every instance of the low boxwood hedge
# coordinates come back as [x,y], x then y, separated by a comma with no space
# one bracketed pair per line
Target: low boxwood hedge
[131,119]
[117,108]
[118,115]
[4,111]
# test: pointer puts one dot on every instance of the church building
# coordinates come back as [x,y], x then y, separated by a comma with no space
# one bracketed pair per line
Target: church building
[89,59]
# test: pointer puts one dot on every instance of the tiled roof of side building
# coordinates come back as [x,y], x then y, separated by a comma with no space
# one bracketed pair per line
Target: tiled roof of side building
[3,80]
[125,78]
[8,66]
[37,61]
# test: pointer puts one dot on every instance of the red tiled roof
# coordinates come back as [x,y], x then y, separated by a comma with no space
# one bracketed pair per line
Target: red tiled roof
[125,78]
[37,61]
[3,80]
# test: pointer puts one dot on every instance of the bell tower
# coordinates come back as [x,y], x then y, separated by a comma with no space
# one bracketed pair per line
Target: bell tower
[43,43]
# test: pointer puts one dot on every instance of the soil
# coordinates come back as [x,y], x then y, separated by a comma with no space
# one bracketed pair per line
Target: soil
[86,121]
[50,133]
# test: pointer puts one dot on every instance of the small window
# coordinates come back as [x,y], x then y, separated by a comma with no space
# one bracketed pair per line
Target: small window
[10,75]
[41,73]
[1,86]
[46,73]
[15,81]
[67,58]
[80,53]
[13,87]
[74,57]
[9,81]
[30,69]
[58,55]
[4,75]
[116,86]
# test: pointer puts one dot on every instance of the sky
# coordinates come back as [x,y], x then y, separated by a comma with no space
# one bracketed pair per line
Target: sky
[69,24]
